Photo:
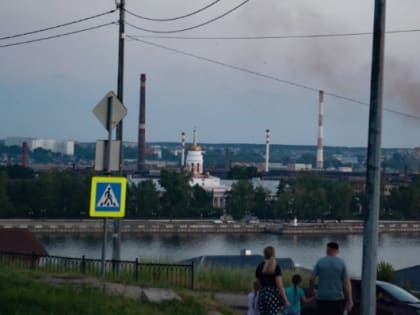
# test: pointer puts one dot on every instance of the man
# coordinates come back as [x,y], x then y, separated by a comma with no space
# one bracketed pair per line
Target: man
[334,287]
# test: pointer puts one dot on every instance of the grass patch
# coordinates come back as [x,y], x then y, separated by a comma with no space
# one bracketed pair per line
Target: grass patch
[235,279]
[22,293]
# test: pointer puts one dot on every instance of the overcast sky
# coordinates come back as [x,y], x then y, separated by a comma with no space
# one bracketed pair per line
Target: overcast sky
[48,89]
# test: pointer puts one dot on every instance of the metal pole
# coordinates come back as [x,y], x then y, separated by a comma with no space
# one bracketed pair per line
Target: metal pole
[373,172]
[109,142]
[107,163]
[116,235]
[103,250]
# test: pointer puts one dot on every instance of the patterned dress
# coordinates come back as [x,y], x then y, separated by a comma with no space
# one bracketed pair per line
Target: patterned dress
[269,300]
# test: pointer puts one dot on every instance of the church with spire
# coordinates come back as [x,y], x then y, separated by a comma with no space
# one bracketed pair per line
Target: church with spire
[194,162]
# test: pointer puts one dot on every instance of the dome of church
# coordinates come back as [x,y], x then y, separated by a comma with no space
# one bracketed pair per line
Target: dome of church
[195,147]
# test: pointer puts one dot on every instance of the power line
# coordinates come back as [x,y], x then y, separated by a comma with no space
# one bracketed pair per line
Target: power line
[173,18]
[188,28]
[266,76]
[58,26]
[262,37]
[56,36]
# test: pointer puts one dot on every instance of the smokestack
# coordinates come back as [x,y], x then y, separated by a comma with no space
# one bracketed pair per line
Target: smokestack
[267,149]
[141,162]
[227,162]
[320,149]
[25,159]
[182,149]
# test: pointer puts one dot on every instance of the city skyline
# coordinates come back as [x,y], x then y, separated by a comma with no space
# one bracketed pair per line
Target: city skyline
[49,88]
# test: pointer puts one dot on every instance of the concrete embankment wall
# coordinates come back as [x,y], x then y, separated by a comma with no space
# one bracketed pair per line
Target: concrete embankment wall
[89,226]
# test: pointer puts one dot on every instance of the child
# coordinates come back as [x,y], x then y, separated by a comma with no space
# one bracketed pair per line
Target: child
[253,299]
[296,296]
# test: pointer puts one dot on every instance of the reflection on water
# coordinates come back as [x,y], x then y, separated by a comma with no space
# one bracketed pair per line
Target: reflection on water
[400,250]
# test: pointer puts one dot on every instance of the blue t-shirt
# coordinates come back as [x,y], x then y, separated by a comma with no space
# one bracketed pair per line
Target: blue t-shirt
[294,299]
[331,271]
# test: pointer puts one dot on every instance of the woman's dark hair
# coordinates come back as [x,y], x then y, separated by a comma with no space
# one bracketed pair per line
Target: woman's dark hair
[296,280]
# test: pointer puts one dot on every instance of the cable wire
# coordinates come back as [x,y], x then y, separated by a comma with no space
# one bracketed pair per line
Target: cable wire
[274,36]
[58,26]
[270,77]
[56,36]
[174,18]
[191,27]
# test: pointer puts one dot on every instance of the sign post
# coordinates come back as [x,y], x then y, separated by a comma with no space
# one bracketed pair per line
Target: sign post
[107,200]
[108,193]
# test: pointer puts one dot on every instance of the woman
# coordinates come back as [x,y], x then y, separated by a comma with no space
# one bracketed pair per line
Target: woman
[272,295]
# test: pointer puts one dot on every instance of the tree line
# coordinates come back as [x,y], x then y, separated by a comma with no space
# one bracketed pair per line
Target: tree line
[66,193]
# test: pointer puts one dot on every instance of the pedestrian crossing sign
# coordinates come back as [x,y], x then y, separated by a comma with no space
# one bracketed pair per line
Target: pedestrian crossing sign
[107,197]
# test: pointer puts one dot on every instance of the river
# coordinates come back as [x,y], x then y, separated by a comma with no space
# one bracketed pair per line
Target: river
[401,250]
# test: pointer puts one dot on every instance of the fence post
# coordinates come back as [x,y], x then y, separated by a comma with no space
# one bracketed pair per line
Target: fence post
[136,270]
[33,261]
[192,275]
[83,265]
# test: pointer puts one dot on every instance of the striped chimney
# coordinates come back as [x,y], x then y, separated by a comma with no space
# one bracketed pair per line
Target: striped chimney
[320,147]
[141,161]
[267,149]
[25,156]
[182,149]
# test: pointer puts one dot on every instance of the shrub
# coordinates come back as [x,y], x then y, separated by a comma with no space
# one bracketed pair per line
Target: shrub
[385,271]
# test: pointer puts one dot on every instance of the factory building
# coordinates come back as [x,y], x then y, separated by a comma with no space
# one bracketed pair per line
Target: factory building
[56,146]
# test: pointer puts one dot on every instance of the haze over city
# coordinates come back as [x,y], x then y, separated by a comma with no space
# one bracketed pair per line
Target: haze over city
[50,87]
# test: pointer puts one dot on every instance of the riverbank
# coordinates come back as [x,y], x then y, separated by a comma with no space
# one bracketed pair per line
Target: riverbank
[95,226]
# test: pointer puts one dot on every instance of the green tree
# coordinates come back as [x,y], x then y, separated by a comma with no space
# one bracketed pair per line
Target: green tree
[19,172]
[143,200]
[404,202]
[310,198]
[242,172]
[201,203]
[262,206]
[41,155]
[176,199]
[72,194]
[240,199]
[339,195]
[5,204]
[284,205]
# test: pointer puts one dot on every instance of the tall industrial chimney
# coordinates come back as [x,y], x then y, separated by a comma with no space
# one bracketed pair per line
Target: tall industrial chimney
[141,161]
[227,161]
[320,149]
[25,159]
[182,149]
[267,149]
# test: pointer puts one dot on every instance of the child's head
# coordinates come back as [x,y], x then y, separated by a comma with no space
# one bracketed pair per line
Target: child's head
[256,286]
[296,280]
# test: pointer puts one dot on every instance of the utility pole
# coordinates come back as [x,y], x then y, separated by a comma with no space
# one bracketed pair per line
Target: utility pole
[373,172]
[116,236]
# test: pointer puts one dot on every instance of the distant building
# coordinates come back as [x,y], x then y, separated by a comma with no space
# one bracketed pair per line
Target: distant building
[57,146]
[345,169]
[299,167]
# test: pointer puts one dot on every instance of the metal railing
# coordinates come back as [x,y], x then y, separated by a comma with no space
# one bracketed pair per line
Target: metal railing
[143,273]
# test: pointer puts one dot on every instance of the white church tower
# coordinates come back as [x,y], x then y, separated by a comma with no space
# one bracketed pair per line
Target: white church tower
[194,162]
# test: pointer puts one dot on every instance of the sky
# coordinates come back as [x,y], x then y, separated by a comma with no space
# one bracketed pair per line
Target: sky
[48,89]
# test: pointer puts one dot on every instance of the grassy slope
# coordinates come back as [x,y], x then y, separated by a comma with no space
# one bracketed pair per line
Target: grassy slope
[22,294]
